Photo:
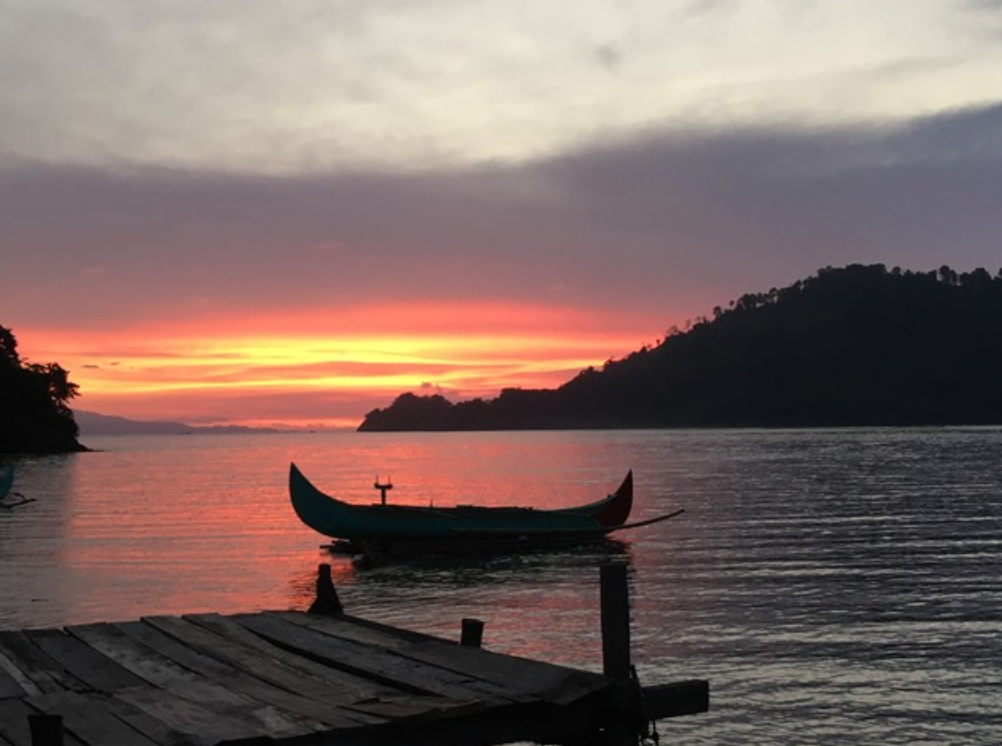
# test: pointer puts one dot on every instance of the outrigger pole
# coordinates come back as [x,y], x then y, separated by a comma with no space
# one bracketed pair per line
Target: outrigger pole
[382,489]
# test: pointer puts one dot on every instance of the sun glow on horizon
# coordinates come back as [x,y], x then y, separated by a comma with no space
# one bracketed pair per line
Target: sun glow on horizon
[327,371]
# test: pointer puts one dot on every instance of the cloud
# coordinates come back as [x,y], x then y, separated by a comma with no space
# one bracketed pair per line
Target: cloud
[649,225]
[241,85]
[218,277]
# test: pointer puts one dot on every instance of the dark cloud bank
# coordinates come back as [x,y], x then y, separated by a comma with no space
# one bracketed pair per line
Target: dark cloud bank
[651,224]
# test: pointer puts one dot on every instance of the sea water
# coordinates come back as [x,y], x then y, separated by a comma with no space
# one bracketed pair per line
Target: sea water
[835,586]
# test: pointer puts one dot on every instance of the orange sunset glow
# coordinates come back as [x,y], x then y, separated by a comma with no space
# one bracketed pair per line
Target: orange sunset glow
[327,370]
[209,222]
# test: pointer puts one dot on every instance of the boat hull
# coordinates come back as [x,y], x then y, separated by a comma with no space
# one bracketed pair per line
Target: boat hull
[6,481]
[464,523]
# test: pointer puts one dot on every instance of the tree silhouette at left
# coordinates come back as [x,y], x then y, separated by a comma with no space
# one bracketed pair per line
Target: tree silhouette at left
[34,412]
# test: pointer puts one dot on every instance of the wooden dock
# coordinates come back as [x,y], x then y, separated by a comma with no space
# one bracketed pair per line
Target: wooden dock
[290,677]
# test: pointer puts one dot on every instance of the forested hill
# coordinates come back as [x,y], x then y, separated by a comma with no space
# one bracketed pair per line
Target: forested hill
[34,416]
[860,345]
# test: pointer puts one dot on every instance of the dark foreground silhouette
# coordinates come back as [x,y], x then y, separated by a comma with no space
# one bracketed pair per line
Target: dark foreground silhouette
[859,345]
[34,416]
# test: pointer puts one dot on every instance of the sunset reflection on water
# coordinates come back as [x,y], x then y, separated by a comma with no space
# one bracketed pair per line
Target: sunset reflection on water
[826,582]
[172,524]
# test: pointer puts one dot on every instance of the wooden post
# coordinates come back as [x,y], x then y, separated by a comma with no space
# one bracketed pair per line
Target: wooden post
[46,730]
[615,603]
[472,634]
[327,601]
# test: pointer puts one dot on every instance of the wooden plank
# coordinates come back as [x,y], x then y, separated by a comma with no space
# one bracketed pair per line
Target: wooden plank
[419,710]
[375,702]
[98,671]
[354,687]
[676,699]
[10,684]
[349,628]
[40,668]
[14,724]
[153,668]
[88,718]
[204,725]
[152,727]
[10,668]
[457,691]
[401,633]
[371,662]
[531,679]
[185,684]
[294,713]
[253,661]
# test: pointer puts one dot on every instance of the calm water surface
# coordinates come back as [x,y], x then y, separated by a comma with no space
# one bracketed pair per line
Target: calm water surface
[836,587]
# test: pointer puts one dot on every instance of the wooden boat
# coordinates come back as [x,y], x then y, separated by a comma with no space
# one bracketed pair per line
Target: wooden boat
[6,487]
[395,524]
[6,481]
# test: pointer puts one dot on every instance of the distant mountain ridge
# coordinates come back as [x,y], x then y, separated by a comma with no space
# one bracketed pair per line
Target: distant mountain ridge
[859,345]
[92,423]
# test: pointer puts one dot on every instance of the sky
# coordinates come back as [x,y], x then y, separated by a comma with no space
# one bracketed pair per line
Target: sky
[288,213]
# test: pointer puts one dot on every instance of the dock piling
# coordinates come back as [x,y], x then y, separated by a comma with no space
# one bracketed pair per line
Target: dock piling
[615,614]
[327,601]
[472,634]
[46,730]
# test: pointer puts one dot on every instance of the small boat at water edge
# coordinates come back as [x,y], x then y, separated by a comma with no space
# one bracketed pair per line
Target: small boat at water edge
[6,481]
[6,485]
[409,526]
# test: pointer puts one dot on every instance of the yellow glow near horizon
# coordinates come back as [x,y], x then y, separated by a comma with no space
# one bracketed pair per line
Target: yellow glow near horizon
[254,363]
[235,370]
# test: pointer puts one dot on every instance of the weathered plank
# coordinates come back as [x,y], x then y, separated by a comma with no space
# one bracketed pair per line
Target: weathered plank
[348,628]
[152,727]
[156,669]
[367,700]
[203,724]
[14,724]
[40,668]
[352,686]
[253,661]
[97,671]
[531,680]
[21,680]
[337,654]
[303,714]
[371,661]
[88,717]
[528,678]
[10,684]
[418,709]
[676,699]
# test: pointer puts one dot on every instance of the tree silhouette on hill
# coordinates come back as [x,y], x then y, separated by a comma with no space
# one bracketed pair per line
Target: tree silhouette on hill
[858,345]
